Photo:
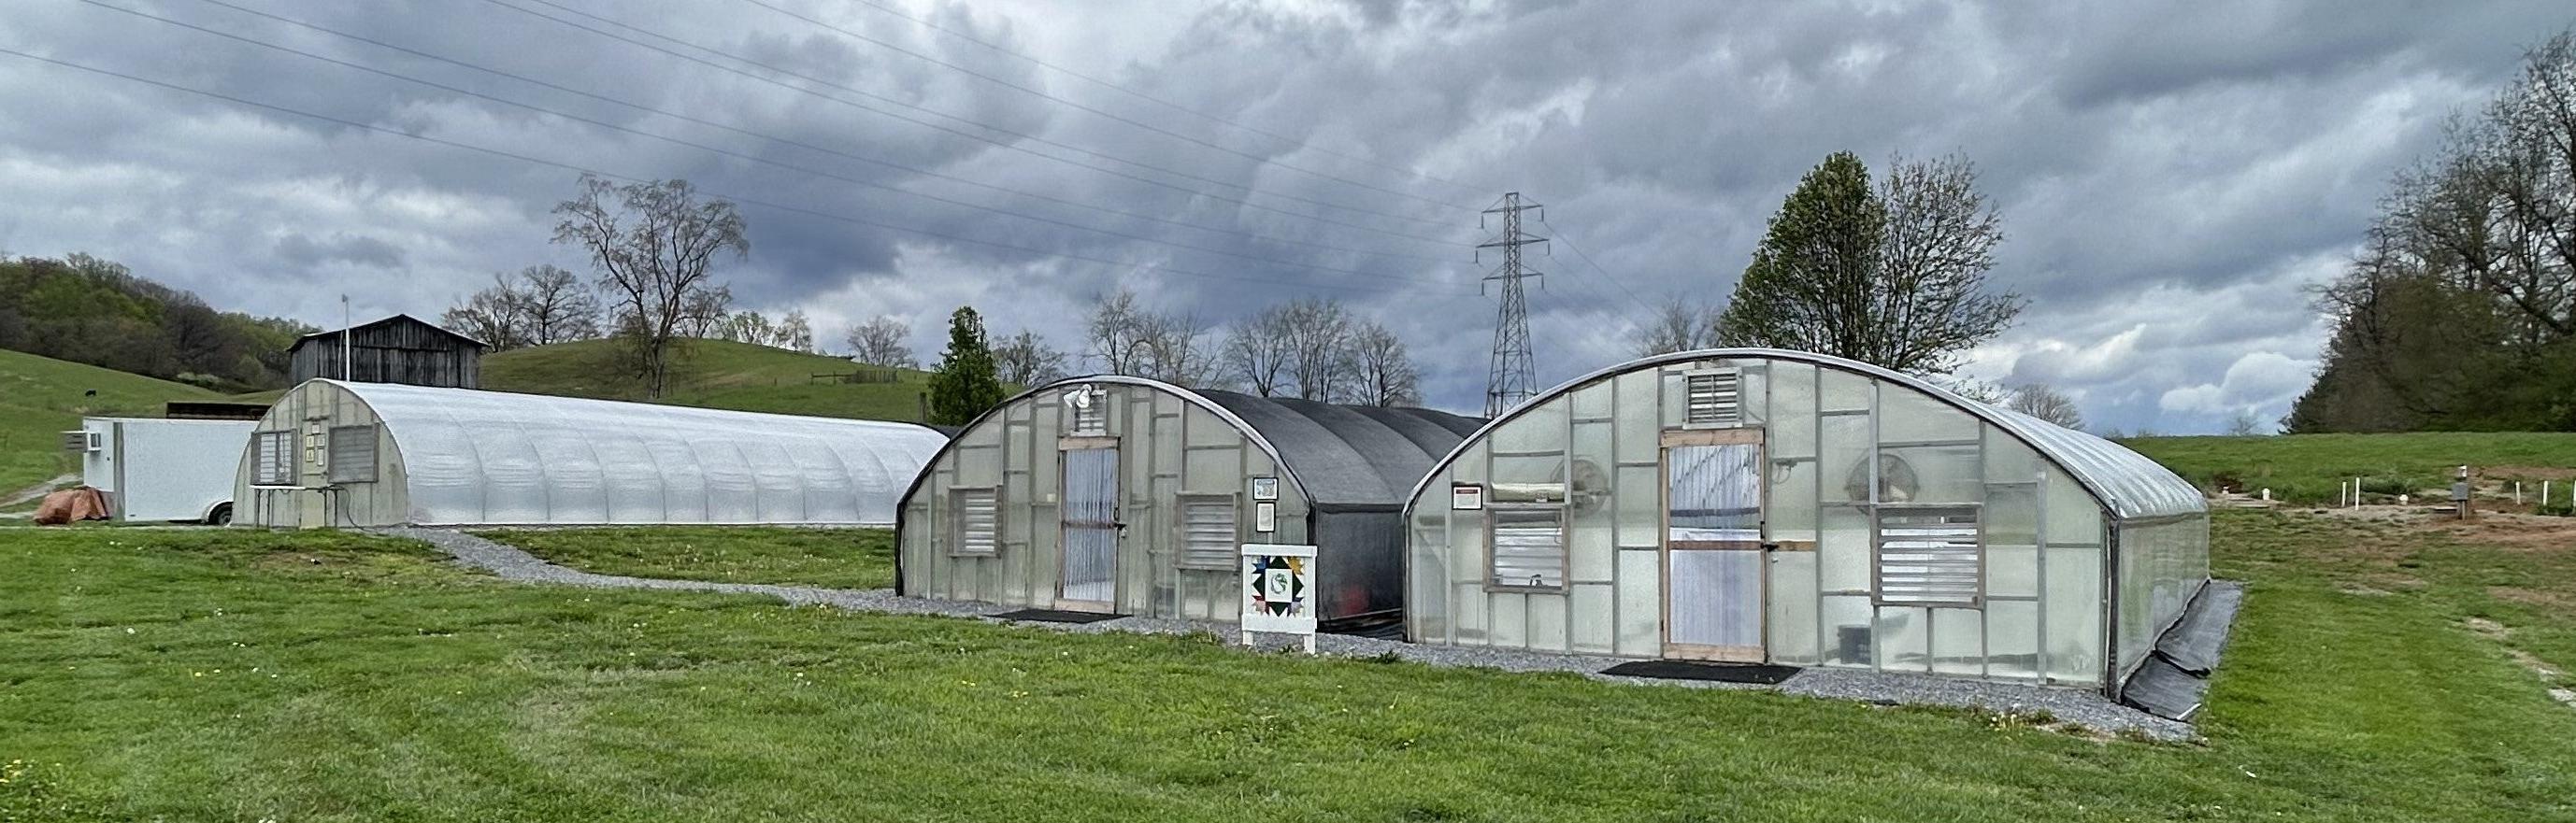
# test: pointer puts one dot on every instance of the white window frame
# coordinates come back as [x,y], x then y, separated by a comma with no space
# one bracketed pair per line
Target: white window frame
[959,498]
[1494,580]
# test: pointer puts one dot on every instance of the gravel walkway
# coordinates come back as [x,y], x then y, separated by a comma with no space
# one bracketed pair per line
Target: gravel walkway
[2090,710]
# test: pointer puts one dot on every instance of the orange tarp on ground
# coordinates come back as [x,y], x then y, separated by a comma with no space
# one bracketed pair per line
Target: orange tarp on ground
[69,505]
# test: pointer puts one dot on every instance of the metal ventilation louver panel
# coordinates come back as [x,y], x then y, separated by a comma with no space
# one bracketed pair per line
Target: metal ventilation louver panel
[1930,556]
[1716,398]
[83,441]
[1090,409]
[1529,547]
[274,458]
[1209,535]
[353,454]
[979,521]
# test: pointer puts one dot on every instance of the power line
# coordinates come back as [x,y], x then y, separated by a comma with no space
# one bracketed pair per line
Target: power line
[1511,378]
[1561,237]
[503,153]
[1075,105]
[718,125]
[735,154]
[1041,62]
[970,135]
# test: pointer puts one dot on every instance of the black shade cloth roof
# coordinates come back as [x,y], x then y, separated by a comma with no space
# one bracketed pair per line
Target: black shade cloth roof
[1350,454]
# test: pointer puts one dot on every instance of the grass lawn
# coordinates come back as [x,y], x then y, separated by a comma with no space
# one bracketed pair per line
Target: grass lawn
[714,374]
[40,398]
[241,675]
[831,558]
[2306,467]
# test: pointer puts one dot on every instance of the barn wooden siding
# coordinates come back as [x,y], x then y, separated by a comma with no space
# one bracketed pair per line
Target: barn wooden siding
[397,349]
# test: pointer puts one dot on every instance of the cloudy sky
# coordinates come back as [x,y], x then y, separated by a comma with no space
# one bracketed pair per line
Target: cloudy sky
[2169,179]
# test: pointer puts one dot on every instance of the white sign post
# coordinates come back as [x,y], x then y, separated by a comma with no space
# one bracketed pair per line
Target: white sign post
[1279,591]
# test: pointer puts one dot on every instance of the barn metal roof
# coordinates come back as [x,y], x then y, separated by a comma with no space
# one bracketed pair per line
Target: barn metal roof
[2129,485]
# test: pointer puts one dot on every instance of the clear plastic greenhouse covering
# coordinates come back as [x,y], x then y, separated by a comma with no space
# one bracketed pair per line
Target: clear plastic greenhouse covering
[496,458]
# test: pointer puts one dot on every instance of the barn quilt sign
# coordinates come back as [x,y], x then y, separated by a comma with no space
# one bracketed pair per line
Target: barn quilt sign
[1279,590]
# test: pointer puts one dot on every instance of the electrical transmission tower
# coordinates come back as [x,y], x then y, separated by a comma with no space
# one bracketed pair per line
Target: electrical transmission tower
[1512,380]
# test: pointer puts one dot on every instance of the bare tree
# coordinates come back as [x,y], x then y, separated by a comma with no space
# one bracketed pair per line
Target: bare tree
[496,315]
[1383,374]
[654,247]
[880,342]
[708,312]
[1117,333]
[2244,424]
[2046,403]
[1319,358]
[746,326]
[557,305]
[1677,326]
[794,332]
[1175,349]
[1257,351]
[1025,360]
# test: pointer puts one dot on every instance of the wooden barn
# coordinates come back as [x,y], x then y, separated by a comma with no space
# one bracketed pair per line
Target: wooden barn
[397,349]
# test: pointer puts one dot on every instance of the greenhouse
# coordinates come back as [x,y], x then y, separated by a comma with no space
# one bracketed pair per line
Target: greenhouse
[1124,495]
[1771,506]
[338,454]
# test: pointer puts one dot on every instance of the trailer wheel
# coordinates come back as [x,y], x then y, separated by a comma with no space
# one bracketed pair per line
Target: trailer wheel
[221,516]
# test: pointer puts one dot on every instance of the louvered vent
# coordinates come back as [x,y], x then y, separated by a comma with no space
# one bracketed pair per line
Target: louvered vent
[82,442]
[1529,547]
[353,454]
[1209,536]
[1716,398]
[1930,556]
[274,458]
[1090,411]
[979,521]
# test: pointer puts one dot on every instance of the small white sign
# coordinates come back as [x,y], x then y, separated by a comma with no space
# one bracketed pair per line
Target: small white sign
[1265,517]
[1265,488]
[1279,590]
[1466,497]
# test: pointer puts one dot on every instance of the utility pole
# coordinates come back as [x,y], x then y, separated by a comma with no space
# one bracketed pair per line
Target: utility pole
[1511,379]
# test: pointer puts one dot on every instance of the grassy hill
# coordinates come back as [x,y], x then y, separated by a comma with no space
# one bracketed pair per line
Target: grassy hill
[41,397]
[2307,467]
[713,374]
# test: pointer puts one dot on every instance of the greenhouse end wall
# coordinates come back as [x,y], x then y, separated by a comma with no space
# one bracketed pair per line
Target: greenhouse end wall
[1844,458]
[1170,450]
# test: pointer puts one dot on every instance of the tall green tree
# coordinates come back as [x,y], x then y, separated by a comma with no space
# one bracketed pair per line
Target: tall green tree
[964,385]
[1892,274]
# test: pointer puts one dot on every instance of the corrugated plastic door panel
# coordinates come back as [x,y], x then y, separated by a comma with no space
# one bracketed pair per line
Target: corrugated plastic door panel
[1090,529]
[1713,553]
[1716,608]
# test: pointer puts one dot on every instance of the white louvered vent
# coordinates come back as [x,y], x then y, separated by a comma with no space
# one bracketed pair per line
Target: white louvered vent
[1090,409]
[1529,547]
[83,441]
[1716,398]
[1209,536]
[353,454]
[273,455]
[979,521]
[1930,556]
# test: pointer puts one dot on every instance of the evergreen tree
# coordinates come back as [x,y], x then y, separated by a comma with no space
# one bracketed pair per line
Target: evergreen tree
[964,385]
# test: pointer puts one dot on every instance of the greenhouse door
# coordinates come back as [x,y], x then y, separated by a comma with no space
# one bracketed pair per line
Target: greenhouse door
[1090,529]
[1713,556]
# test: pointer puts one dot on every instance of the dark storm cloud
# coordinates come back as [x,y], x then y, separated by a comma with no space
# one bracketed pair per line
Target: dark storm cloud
[2169,177]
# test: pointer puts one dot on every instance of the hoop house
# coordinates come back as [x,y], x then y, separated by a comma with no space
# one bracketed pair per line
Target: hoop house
[1762,505]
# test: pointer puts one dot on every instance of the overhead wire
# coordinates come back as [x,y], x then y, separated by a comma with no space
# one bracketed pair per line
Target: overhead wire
[507,154]
[713,124]
[1081,107]
[1005,144]
[1078,75]
[1558,233]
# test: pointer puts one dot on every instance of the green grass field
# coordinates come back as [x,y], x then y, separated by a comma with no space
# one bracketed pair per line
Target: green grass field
[714,374]
[40,398]
[2306,468]
[831,558]
[242,675]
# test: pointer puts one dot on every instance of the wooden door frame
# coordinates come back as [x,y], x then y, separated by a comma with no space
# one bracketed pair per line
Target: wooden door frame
[1756,437]
[1064,546]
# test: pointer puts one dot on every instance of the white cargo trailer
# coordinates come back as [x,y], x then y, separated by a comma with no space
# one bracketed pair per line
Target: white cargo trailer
[155,469]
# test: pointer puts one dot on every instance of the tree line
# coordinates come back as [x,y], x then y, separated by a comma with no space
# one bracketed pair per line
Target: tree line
[2459,312]
[87,310]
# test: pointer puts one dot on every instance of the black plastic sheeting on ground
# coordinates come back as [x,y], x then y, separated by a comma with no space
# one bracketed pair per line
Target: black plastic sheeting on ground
[2174,678]
[1720,672]
[1056,616]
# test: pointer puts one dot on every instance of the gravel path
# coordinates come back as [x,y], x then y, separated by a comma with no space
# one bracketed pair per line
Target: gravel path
[2090,710]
